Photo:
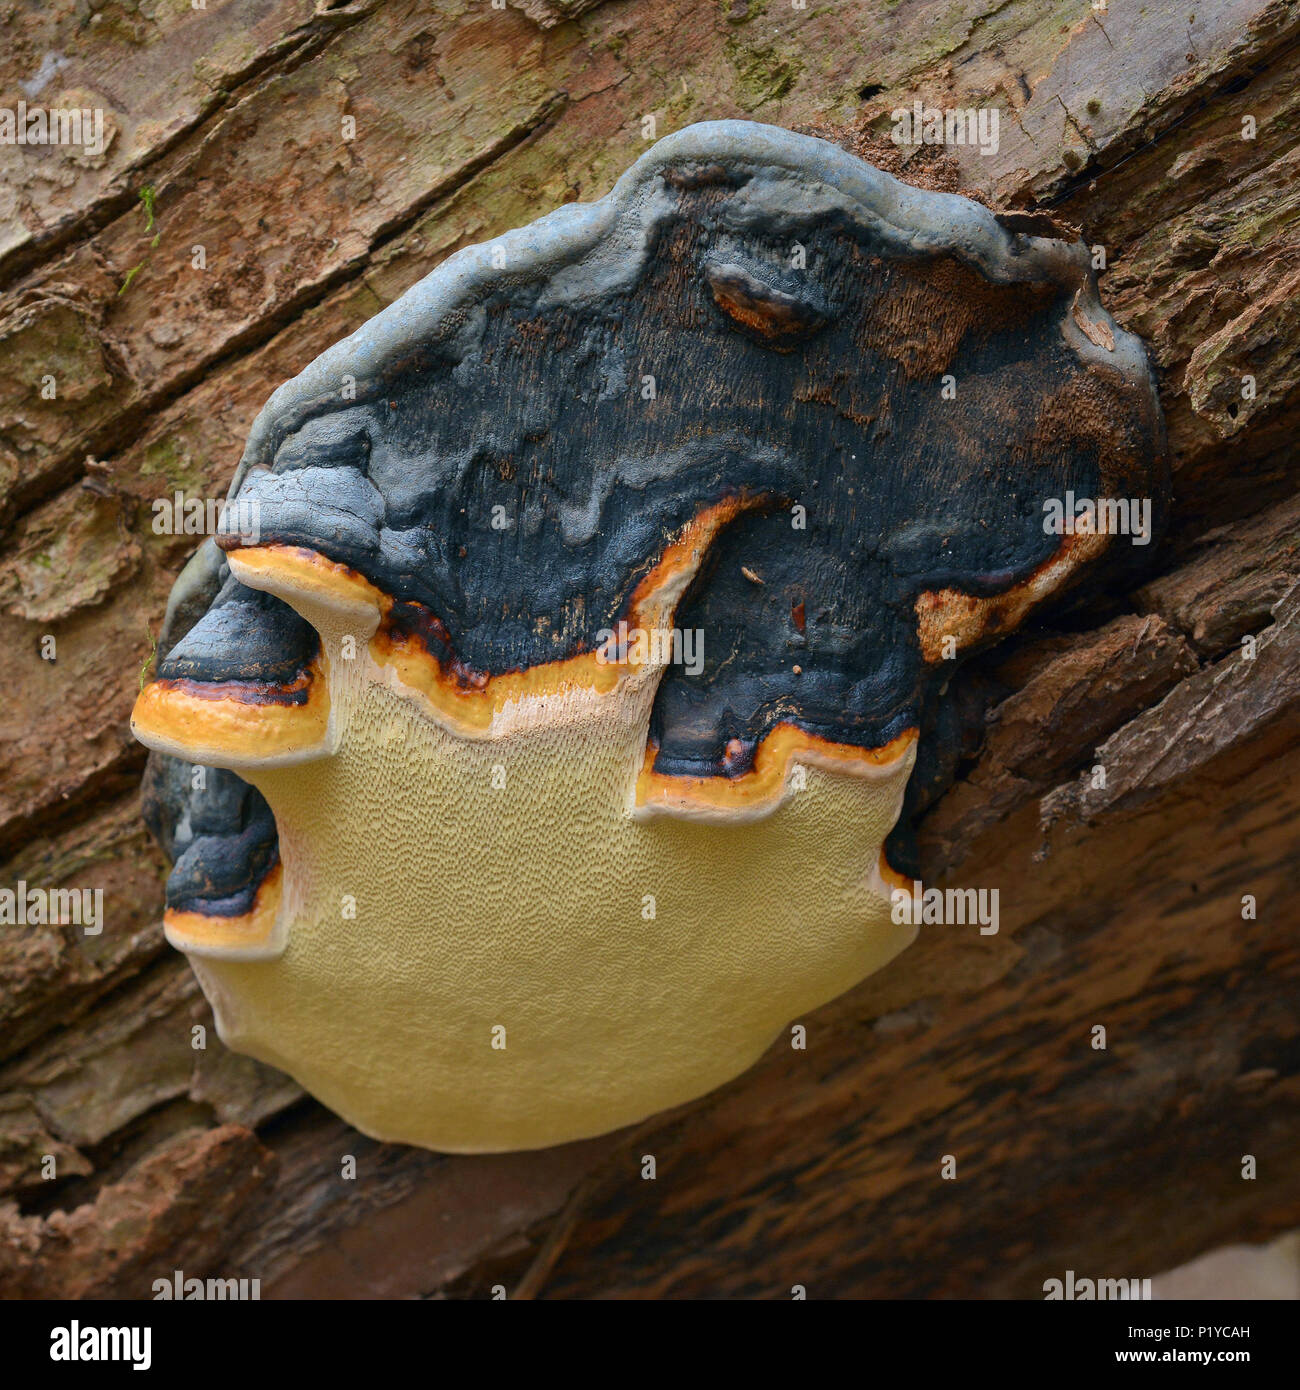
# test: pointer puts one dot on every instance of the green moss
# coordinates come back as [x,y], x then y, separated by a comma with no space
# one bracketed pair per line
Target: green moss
[148,661]
[123,23]
[148,199]
[762,74]
[738,12]
[130,275]
[169,460]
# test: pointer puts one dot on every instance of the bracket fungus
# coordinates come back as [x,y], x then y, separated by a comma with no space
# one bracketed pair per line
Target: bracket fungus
[558,720]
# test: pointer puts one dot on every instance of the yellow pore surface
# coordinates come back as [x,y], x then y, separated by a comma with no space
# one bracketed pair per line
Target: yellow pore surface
[508,891]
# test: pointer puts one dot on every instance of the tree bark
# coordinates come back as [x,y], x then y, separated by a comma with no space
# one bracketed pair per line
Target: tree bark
[1160,906]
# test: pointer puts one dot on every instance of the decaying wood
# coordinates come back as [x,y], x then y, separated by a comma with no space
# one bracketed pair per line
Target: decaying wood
[1122,904]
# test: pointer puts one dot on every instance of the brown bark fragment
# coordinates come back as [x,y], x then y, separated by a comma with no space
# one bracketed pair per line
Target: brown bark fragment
[174,1212]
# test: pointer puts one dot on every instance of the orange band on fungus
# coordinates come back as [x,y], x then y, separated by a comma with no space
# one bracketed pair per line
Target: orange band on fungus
[473,703]
[475,706]
[307,574]
[230,719]
[942,613]
[764,784]
[252,931]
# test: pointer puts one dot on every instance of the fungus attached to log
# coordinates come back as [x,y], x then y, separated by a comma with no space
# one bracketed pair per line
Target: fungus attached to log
[576,675]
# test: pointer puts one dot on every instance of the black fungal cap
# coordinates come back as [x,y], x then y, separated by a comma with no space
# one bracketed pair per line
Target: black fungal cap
[894,380]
